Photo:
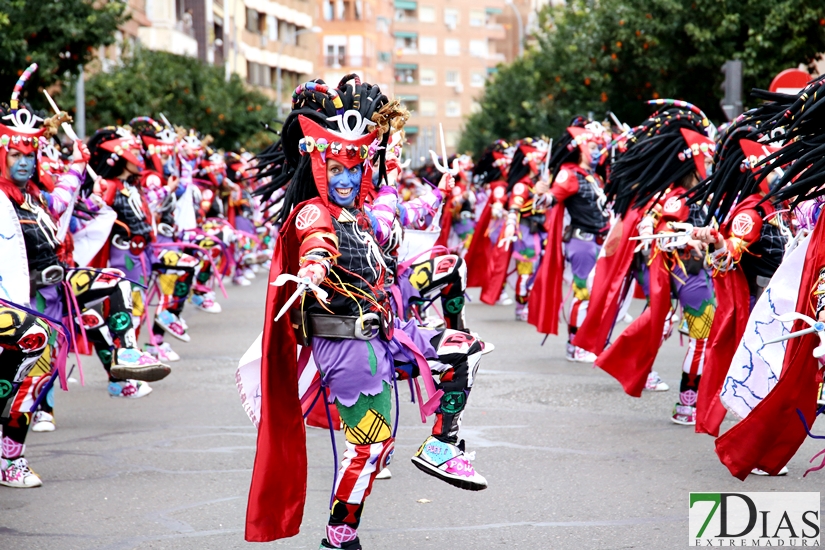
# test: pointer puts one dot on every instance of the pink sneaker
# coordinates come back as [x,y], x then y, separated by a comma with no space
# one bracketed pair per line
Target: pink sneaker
[139,365]
[448,462]
[170,322]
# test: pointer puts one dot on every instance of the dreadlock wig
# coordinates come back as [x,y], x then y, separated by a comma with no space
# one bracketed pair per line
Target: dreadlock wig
[735,174]
[351,123]
[529,153]
[799,122]
[493,164]
[574,144]
[667,149]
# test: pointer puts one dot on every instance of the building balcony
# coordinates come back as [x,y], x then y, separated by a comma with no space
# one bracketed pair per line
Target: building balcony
[496,31]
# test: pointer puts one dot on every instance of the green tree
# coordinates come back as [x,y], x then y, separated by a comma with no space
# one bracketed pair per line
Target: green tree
[57,35]
[190,94]
[613,54]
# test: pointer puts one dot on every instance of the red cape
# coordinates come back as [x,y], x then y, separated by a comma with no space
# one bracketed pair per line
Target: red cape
[477,256]
[279,475]
[446,222]
[497,263]
[772,433]
[630,359]
[609,284]
[546,297]
[729,322]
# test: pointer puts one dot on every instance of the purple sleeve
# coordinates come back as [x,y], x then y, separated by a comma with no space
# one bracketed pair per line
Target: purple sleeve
[63,194]
[415,212]
[382,212]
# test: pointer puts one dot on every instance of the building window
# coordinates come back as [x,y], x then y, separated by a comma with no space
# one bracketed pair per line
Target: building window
[477,79]
[405,75]
[452,78]
[329,12]
[426,14]
[336,55]
[404,15]
[406,43]
[451,18]
[252,21]
[271,27]
[427,77]
[427,107]
[340,9]
[477,18]
[428,45]
[384,57]
[452,137]
[478,48]
[453,109]
[452,46]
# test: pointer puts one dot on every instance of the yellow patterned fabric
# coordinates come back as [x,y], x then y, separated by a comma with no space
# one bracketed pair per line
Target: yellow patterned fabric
[524,268]
[699,326]
[81,280]
[372,428]
[137,303]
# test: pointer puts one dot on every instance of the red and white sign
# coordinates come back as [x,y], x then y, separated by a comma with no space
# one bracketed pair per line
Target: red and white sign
[790,81]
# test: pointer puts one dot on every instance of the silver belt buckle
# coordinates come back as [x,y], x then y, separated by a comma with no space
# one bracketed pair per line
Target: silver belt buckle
[582,236]
[367,326]
[118,241]
[51,275]
[166,230]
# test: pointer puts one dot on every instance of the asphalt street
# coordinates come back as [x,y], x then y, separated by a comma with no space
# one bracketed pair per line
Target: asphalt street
[571,461]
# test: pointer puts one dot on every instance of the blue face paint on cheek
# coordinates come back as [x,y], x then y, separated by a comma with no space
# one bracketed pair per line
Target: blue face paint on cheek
[23,169]
[219,178]
[345,187]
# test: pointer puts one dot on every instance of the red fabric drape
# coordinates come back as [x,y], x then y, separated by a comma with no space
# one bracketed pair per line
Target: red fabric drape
[477,256]
[772,433]
[279,475]
[630,359]
[546,297]
[606,296]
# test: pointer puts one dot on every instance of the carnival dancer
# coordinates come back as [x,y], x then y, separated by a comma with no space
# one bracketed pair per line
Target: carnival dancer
[521,235]
[665,158]
[577,190]
[491,170]
[328,239]
[777,400]
[175,267]
[743,254]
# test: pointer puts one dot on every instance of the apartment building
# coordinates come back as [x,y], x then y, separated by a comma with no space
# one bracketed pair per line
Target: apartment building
[356,38]
[444,52]
[251,38]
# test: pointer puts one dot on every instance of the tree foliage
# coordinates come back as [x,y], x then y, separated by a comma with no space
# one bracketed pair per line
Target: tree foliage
[58,35]
[600,55]
[188,92]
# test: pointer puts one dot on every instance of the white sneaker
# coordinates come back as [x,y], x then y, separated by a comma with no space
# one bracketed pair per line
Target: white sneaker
[241,281]
[16,473]
[131,389]
[578,355]
[504,299]
[628,318]
[384,474]
[163,352]
[758,472]
[206,302]
[42,422]
[655,383]
[248,273]
[255,268]
[449,463]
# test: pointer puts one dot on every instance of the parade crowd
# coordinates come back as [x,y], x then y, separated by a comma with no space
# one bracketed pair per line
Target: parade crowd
[713,227]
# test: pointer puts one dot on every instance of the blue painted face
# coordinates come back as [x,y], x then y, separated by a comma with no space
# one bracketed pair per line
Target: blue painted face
[219,179]
[22,168]
[344,183]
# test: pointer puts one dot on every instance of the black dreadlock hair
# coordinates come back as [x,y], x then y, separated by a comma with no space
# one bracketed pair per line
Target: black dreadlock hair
[271,163]
[99,157]
[729,183]
[800,122]
[519,167]
[565,149]
[650,165]
[485,170]
[318,106]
